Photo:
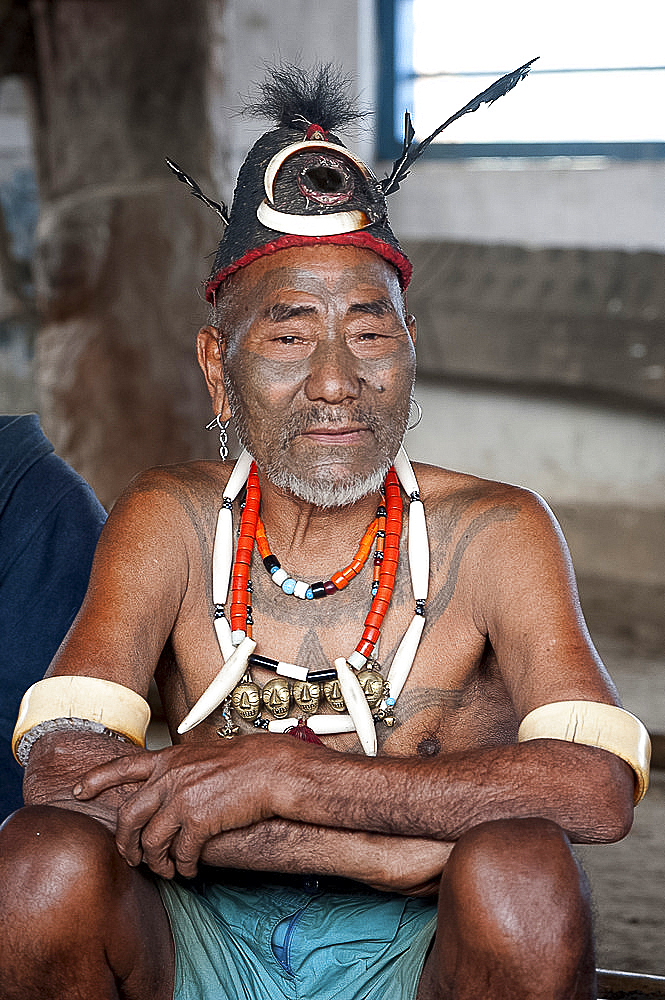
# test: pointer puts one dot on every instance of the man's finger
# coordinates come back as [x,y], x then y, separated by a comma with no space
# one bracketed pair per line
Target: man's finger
[133,816]
[121,771]
[186,850]
[157,840]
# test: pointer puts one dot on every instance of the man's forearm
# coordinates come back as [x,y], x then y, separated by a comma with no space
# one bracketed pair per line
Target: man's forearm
[587,791]
[408,865]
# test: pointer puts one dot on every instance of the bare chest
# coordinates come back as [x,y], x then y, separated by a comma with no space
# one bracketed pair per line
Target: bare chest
[453,698]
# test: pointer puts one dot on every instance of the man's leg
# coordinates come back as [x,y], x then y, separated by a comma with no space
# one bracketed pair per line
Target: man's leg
[514,918]
[75,920]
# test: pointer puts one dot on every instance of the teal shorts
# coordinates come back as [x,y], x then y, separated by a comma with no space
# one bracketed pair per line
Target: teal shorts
[267,941]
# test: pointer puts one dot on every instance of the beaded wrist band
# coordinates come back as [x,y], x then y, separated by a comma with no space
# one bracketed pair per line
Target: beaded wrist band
[28,740]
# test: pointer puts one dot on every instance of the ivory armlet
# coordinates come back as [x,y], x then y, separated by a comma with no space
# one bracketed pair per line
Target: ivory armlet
[596,725]
[73,702]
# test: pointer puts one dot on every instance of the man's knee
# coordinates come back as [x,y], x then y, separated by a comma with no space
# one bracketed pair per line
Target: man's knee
[73,912]
[53,860]
[518,880]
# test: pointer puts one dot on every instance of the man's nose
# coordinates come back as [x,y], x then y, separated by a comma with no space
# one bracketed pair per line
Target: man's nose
[334,374]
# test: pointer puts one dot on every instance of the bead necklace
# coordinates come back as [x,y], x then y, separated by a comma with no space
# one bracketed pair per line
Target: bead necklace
[241,614]
[337,581]
[238,647]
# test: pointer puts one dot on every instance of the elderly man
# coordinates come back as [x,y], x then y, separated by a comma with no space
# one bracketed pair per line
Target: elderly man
[419,633]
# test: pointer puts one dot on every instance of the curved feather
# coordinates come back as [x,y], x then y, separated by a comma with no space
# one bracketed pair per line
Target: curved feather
[221,209]
[402,165]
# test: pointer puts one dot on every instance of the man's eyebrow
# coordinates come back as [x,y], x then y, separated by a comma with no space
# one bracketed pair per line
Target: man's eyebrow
[375,307]
[281,311]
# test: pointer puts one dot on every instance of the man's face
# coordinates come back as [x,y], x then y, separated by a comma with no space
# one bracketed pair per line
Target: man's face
[319,364]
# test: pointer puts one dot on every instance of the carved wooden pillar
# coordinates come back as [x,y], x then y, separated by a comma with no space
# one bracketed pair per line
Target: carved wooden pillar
[122,248]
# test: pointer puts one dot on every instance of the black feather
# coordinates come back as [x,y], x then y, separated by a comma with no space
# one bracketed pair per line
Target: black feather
[402,165]
[221,209]
[292,96]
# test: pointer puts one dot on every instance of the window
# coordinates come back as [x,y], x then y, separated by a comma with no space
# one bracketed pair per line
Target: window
[598,87]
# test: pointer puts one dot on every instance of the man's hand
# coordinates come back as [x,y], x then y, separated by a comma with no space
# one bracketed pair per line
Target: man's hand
[57,762]
[187,794]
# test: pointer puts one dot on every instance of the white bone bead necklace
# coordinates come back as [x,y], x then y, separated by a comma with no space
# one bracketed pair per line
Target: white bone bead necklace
[237,649]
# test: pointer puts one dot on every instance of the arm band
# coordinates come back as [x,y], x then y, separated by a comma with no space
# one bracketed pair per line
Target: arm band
[596,725]
[108,706]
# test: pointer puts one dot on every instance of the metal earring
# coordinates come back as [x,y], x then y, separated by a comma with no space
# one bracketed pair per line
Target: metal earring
[419,415]
[223,440]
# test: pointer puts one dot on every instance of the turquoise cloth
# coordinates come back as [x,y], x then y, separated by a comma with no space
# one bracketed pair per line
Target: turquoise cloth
[351,946]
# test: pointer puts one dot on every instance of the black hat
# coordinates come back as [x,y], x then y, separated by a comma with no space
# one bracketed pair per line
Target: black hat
[301,186]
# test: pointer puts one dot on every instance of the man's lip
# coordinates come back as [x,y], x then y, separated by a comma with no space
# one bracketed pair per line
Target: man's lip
[335,434]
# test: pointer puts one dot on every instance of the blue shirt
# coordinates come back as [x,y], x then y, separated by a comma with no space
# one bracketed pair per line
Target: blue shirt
[50,521]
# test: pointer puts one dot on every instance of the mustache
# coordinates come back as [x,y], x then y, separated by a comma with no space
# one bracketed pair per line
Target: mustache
[318,416]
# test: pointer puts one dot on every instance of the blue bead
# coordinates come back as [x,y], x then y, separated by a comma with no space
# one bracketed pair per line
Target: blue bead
[309,594]
[390,702]
[273,570]
[289,585]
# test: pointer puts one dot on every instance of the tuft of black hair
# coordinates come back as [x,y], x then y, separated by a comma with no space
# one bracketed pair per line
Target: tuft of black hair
[292,95]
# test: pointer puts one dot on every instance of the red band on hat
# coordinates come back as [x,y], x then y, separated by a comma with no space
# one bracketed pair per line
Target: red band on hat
[356,239]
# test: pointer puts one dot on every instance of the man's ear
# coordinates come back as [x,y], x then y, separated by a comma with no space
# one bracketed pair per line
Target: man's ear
[211,360]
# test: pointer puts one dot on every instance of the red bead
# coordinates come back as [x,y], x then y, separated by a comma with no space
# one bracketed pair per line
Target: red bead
[371,634]
[374,619]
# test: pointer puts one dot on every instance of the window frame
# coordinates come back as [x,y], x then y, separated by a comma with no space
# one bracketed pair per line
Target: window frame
[395,73]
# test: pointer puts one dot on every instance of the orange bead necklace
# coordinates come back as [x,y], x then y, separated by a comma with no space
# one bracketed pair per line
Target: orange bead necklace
[385,531]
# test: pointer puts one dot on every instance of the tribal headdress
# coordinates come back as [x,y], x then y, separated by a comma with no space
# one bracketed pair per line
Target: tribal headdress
[300,185]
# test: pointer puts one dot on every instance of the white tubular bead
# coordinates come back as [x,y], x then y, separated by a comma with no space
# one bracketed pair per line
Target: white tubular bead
[237,636]
[222,556]
[356,660]
[224,638]
[418,551]
[404,657]
[279,576]
[292,670]
[220,687]
[322,725]
[281,725]
[357,706]
[301,590]
[238,477]
[405,473]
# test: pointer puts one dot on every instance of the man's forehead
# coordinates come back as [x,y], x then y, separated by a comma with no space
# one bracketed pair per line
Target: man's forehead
[347,270]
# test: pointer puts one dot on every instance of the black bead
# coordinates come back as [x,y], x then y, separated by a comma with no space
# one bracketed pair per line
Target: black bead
[266,662]
[318,590]
[271,562]
[321,676]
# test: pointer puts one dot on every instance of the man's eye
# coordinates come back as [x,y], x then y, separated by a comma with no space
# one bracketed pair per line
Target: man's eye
[289,339]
